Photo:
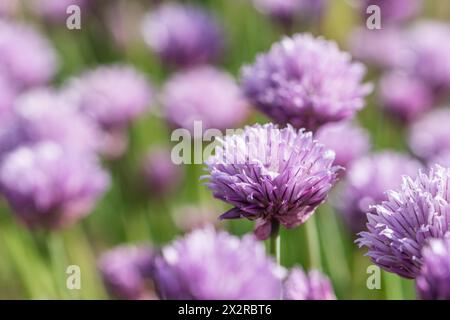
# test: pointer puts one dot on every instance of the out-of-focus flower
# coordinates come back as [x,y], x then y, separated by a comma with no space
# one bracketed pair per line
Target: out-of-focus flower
[183,35]
[404,96]
[9,8]
[189,218]
[367,181]
[215,265]
[431,54]
[305,81]
[366,45]
[429,136]
[55,10]
[113,96]
[348,140]
[50,186]
[271,175]
[203,94]
[44,115]
[399,227]
[442,159]
[286,11]
[161,175]
[313,285]
[8,94]
[392,11]
[433,283]
[26,57]
[126,272]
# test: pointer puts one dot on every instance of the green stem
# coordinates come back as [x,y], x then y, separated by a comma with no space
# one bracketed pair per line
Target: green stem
[275,241]
[393,286]
[313,244]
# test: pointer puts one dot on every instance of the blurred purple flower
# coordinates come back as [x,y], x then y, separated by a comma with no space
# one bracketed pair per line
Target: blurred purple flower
[215,265]
[183,35]
[161,175]
[8,94]
[305,81]
[286,11]
[271,175]
[191,217]
[431,54]
[26,57]
[348,140]
[313,285]
[49,186]
[9,8]
[393,11]
[433,283]
[399,227]
[404,96]
[429,136]
[126,272]
[203,94]
[366,45]
[367,181]
[55,10]
[43,114]
[113,95]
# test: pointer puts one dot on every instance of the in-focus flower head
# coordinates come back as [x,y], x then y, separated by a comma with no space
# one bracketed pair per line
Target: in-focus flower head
[203,94]
[26,56]
[399,227]
[207,264]
[433,283]
[126,272]
[313,285]
[392,11]
[271,175]
[183,35]
[50,186]
[112,95]
[367,181]
[305,81]
[429,136]
[161,175]
[404,96]
[348,140]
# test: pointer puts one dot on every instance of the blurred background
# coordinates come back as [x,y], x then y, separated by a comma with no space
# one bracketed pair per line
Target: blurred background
[149,201]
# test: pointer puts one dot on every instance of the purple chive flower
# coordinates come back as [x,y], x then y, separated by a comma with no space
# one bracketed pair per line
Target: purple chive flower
[183,35]
[399,227]
[8,94]
[433,283]
[305,81]
[50,186]
[393,11]
[26,57]
[404,96]
[442,159]
[161,175]
[431,54]
[271,175]
[55,10]
[313,285]
[215,265]
[366,45]
[43,114]
[126,272]
[203,94]
[429,136]
[367,181]
[286,11]
[113,96]
[348,140]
